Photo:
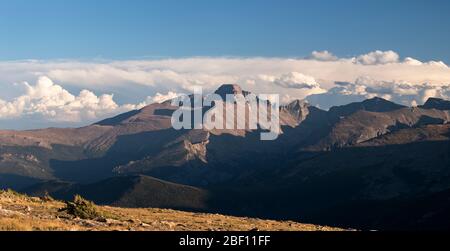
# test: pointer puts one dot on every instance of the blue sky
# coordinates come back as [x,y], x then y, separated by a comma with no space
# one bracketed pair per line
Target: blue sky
[119,29]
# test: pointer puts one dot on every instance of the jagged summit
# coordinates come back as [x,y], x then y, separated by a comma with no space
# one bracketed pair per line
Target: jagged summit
[297,103]
[297,108]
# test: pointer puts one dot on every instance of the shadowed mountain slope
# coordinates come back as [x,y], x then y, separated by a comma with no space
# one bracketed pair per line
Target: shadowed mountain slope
[436,103]
[371,105]
[128,191]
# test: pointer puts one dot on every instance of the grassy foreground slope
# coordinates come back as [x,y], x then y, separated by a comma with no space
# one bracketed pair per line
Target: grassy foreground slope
[24,213]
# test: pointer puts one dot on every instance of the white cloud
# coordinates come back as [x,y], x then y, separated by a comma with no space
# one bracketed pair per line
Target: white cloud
[160,98]
[437,63]
[291,85]
[365,87]
[378,57]
[52,102]
[412,61]
[323,56]
[179,75]
[415,62]
[296,80]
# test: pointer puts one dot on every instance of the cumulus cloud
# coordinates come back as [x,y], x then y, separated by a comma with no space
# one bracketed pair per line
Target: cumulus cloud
[412,61]
[378,57]
[52,102]
[294,80]
[157,98]
[289,86]
[437,63]
[323,56]
[415,62]
[160,98]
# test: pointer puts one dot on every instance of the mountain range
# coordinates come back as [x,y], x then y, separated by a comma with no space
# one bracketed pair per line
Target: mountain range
[367,165]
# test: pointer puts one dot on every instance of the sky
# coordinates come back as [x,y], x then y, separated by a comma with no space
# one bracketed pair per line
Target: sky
[72,62]
[119,29]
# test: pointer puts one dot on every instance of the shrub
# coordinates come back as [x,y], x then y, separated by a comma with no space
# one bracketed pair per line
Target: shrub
[82,208]
[47,197]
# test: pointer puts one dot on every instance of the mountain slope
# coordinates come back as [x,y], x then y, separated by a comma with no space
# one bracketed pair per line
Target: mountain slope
[363,125]
[362,187]
[22,213]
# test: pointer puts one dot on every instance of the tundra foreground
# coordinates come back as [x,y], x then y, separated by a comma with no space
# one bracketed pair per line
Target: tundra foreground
[23,213]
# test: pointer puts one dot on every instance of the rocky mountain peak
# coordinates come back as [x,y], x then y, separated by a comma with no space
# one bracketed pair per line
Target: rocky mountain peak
[232,89]
[297,104]
[297,108]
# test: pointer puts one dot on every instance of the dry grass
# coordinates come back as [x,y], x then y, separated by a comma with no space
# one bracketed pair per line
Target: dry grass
[22,213]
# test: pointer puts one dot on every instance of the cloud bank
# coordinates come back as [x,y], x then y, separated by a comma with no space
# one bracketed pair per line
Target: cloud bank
[54,103]
[402,92]
[71,92]
[48,101]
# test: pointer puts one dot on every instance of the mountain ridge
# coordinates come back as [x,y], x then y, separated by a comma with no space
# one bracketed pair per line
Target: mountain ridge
[225,170]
